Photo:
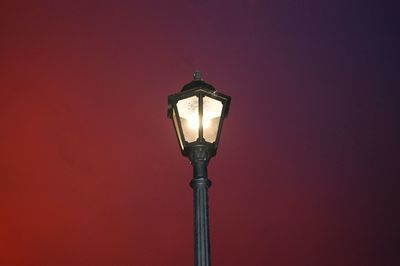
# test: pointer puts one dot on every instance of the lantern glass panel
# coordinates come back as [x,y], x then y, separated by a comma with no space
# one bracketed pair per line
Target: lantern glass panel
[212,110]
[188,110]
[176,125]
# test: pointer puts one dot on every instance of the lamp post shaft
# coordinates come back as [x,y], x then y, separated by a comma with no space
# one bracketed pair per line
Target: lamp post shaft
[200,184]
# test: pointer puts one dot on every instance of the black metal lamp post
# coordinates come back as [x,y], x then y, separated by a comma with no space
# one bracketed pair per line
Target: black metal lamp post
[198,112]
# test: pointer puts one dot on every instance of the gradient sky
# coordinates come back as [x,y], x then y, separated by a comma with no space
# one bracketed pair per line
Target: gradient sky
[308,164]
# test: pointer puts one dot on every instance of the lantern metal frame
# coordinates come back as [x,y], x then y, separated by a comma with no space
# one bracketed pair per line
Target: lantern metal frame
[200,89]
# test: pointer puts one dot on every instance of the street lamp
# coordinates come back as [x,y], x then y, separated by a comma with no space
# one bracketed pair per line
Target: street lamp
[197,113]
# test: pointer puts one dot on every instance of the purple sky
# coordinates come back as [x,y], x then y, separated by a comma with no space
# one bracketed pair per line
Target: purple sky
[307,168]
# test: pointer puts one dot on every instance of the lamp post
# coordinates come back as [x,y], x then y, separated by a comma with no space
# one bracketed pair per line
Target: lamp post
[197,113]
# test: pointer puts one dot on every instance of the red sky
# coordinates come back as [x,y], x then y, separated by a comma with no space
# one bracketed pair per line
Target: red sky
[90,168]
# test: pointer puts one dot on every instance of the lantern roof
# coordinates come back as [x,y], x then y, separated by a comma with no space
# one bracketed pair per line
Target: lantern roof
[198,83]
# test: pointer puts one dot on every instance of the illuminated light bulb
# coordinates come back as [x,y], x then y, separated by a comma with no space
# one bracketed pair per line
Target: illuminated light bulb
[194,122]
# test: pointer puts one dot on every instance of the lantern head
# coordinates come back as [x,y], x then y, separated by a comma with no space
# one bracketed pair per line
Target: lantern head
[197,113]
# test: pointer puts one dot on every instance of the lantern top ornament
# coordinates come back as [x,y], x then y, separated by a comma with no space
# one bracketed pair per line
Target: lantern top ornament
[197,75]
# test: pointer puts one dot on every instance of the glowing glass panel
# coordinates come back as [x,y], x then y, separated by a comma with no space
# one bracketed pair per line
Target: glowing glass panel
[212,110]
[188,110]
[177,128]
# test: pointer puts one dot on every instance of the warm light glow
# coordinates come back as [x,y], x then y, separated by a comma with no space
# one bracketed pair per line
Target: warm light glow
[212,110]
[188,109]
[206,123]
[194,122]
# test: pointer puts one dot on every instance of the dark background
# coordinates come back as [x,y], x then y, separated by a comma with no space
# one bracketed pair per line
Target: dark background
[308,165]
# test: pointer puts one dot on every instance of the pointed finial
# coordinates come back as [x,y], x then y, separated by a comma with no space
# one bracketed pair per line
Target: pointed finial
[197,75]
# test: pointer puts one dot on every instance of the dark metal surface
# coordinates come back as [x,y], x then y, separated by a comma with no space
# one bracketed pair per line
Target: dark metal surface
[200,184]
